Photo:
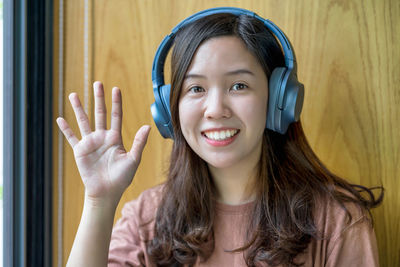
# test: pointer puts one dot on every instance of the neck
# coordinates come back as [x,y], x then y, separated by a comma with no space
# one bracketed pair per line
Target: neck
[235,184]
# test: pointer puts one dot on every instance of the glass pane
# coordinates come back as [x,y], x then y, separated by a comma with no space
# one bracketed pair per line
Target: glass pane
[1,133]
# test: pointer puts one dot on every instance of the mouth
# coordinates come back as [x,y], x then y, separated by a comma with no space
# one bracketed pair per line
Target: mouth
[220,135]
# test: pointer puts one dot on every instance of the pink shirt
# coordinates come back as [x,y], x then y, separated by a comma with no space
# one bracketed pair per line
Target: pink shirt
[351,244]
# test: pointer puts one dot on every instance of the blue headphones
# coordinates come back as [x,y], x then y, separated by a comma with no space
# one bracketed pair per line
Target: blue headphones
[286,93]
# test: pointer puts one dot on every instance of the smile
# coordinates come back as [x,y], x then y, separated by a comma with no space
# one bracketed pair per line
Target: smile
[220,135]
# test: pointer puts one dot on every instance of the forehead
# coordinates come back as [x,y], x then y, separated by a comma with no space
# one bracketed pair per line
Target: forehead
[223,54]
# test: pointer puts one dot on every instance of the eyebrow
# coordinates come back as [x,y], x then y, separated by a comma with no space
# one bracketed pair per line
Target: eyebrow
[229,73]
[240,71]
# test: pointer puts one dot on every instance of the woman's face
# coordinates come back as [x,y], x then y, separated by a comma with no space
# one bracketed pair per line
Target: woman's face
[223,103]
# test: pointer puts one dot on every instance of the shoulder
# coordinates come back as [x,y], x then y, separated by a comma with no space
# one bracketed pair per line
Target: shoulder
[346,233]
[144,208]
[135,227]
[333,217]
[345,236]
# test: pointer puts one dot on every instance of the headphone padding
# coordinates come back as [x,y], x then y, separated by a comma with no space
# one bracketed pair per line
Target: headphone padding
[161,113]
[274,113]
[294,97]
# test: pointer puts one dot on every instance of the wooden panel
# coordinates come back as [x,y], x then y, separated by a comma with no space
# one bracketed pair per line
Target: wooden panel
[73,82]
[348,59]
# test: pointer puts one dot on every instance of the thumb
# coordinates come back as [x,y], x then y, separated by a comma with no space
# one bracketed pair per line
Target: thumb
[139,142]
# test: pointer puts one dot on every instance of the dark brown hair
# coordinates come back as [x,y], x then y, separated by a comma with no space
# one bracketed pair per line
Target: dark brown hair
[291,179]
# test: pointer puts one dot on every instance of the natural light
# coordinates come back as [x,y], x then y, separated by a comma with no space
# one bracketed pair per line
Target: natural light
[1,133]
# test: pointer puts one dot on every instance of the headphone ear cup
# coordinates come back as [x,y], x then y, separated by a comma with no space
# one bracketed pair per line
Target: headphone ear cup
[294,96]
[285,100]
[160,110]
[273,111]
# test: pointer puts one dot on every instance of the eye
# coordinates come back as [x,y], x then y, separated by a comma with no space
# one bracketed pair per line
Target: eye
[196,89]
[239,86]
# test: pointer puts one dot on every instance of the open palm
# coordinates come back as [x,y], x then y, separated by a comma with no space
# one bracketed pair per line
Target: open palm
[106,168]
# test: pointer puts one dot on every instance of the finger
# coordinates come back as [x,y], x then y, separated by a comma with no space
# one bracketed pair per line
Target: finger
[139,142]
[100,111]
[80,114]
[116,110]
[67,131]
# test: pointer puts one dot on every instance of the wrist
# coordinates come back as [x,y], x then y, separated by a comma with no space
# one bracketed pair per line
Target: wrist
[104,203]
[97,215]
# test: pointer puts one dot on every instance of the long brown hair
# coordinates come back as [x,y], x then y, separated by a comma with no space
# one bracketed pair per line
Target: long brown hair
[291,179]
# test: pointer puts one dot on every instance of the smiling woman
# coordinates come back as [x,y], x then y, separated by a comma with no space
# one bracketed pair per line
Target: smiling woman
[272,172]
[350,115]
[244,187]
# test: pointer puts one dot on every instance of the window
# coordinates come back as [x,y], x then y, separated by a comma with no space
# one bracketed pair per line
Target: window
[26,130]
[1,133]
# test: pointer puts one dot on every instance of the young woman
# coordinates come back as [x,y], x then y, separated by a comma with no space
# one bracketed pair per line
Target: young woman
[237,194]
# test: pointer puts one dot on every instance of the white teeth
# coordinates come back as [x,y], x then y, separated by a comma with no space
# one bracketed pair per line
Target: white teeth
[220,135]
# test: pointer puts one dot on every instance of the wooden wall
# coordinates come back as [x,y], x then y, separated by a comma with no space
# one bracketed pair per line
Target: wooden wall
[349,60]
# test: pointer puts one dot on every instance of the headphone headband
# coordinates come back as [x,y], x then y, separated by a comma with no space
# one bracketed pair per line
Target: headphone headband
[157,73]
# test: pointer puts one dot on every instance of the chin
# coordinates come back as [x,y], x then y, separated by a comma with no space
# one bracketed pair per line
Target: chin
[220,164]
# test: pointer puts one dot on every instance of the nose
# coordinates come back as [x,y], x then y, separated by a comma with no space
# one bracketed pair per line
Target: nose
[217,105]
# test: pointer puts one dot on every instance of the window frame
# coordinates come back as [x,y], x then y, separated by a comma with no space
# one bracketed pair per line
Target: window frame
[27,126]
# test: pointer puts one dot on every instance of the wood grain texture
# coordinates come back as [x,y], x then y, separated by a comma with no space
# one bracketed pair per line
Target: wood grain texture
[348,59]
[73,82]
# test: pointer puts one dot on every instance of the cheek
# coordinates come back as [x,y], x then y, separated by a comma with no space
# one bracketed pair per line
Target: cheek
[255,110]
[186,118]
[181,117]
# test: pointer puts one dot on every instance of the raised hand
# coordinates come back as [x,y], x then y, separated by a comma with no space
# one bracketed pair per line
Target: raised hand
[106,168]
